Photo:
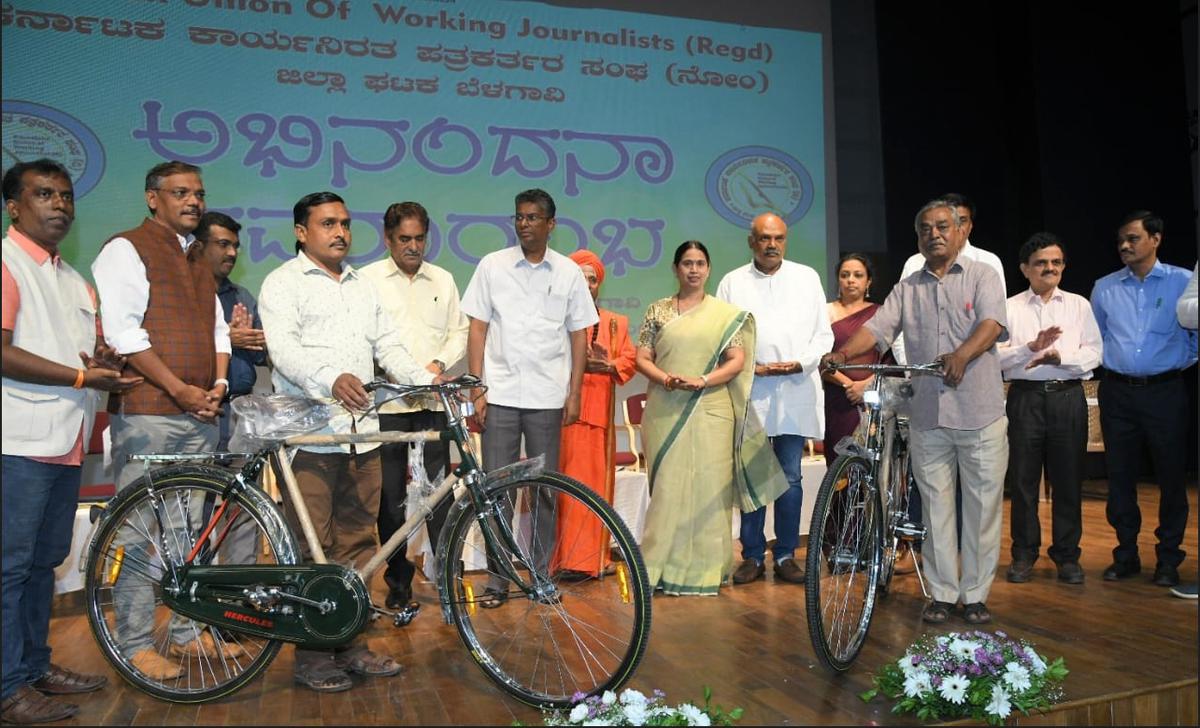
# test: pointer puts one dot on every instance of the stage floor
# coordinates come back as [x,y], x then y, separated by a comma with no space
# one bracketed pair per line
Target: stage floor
[750,645]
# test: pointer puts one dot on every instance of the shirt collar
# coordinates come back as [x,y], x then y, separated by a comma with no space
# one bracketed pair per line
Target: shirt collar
[394,269]
[226,285]
[756,273]
[308,266]
[39,254]
[1157,271]
[1031,297]
[520,259]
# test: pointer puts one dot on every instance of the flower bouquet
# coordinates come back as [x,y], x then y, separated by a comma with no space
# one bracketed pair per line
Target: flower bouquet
[634,708]
[980,675]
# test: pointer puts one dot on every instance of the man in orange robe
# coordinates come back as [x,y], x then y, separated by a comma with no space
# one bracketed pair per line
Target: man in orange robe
[589,445]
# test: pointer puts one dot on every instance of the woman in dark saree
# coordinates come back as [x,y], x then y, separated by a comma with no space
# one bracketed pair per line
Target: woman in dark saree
[847,314]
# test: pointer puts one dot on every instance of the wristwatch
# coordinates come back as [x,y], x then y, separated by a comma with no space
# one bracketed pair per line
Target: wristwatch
[441,365]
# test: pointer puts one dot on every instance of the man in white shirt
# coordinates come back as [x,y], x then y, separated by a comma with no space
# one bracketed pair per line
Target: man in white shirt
[162,313]
[1054,345]
[325,329]
[788,304]
[528,309]
[423,301]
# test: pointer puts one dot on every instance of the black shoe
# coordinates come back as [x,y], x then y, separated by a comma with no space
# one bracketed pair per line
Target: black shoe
[398,598]
[1122,570]
[1166,575]
[1020,571]
[1070,572]
[749,570]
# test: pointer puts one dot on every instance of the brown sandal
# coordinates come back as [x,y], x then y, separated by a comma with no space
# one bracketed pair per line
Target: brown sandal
[937,612]
[365,662]
[323,676]
[492,598]
[977,613]
[27,705]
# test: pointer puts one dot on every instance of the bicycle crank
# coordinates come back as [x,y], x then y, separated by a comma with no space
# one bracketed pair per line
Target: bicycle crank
[313,605]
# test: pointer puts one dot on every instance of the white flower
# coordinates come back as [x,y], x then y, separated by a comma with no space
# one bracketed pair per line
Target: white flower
[943,639]
[694,715]
[906,665]
[1039,665]
[608,698]
[1017,676]
[999,706]
[954,688]
[635,713]
[579,712]
[917,683]
[633,697]
[598,721]
[963,649]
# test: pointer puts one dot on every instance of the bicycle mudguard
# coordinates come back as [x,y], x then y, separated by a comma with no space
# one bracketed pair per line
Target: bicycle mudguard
[515,472]
[312,605]
[520,470]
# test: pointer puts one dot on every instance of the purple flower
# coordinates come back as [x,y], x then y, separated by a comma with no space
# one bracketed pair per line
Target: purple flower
[916,660]
[578,696]
[937,681]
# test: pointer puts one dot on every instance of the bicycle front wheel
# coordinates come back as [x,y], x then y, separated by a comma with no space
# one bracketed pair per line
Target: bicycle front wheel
[150,529]
[583,624]
[843,561]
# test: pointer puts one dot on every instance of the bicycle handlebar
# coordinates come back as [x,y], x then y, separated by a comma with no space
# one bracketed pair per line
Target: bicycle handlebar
[465,381]
[933,367]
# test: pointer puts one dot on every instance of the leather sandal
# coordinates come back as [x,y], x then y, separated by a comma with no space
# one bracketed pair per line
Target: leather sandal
[363,661]
[937,612]
[27,705]
[323,676]
[976,613]
[61,681]
[492,598]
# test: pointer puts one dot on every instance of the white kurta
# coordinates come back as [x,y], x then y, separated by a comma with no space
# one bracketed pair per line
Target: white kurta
[789,309]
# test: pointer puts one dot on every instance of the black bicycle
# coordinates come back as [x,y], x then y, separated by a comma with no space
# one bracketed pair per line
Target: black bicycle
[201,564]
[860,522]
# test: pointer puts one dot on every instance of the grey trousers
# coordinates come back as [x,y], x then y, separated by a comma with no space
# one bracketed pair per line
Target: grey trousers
[542,433]
[981,459]
[133,598]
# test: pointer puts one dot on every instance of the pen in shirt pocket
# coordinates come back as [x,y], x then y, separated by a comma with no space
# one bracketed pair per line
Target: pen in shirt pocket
[969,307]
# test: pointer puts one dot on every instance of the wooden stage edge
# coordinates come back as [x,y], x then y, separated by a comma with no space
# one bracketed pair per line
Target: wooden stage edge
[1131,648]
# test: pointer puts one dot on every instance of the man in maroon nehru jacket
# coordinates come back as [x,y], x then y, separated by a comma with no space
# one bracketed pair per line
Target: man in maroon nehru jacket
[160,310]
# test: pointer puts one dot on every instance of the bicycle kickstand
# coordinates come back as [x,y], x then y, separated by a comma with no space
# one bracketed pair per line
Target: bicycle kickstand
[912,553]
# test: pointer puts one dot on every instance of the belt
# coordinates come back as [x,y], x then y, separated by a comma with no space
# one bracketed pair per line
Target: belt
[1143,381]
[1044,385]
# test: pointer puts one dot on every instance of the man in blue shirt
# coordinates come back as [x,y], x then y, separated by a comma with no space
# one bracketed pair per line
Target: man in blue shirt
[217,234]
[1142,396]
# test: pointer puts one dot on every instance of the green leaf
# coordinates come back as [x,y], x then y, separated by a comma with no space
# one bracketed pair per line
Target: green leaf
[868,695]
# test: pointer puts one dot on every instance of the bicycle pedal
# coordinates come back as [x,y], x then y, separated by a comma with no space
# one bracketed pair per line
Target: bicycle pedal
[406,615]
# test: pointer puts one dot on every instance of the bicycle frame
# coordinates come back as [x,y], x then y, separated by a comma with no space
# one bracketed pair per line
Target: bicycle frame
[467,479]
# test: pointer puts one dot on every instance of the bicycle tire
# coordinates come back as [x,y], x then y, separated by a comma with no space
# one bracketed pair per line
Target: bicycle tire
[578,636]
[843,561]
[130,552]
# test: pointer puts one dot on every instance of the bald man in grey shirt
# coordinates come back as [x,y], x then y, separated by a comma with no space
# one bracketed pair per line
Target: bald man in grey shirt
[954,310]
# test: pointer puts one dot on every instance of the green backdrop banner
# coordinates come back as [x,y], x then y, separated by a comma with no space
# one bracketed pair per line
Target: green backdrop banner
[647,130]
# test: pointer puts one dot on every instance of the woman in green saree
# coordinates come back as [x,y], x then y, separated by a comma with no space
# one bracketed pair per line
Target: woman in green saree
[705,451]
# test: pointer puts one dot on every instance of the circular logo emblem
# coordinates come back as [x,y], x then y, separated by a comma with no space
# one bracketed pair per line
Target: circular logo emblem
[748,181]
[33,131]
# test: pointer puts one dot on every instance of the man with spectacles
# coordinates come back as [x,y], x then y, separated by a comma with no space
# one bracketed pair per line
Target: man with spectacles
[951,310]
[423,300]
[529,311]
[1054,345]
[160,311]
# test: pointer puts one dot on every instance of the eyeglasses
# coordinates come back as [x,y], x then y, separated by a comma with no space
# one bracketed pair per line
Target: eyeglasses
[182,193]
[531,219]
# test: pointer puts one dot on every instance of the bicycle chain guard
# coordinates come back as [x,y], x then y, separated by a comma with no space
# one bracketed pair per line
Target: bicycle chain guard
[312,605]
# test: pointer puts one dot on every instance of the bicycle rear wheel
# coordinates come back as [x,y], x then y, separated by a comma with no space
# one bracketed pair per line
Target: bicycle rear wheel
[584,626]
[843,561]
[151,528]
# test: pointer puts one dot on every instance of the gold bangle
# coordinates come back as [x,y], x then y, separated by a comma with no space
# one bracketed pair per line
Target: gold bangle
[79,377]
